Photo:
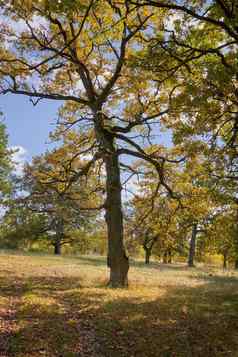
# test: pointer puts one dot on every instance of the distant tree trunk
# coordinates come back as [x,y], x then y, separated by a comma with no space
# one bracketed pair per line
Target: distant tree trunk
[236,264]
[147,255]
[57,248]
[225,260]
[192,246]
[169,256]
[59,236]
[165,257]
[149,241]
[159,257]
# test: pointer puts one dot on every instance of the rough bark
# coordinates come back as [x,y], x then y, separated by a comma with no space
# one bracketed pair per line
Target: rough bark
[117,260]
[192,246]
[236,264]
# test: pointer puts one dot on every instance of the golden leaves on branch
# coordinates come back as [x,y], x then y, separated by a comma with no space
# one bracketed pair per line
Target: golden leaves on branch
[27,4]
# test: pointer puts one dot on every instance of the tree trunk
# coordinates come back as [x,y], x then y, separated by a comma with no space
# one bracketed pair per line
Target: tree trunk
[147,255]
[117,259]
[118,262]
[57,248]
[149,241]
[192,246]
[236,238]
[59,236]
[225,260]
[169,256]
[165,257]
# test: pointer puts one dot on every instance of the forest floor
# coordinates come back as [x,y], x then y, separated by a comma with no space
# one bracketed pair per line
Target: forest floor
[52,306]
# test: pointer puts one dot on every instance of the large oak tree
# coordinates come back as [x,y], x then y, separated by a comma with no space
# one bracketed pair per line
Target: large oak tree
[83,53]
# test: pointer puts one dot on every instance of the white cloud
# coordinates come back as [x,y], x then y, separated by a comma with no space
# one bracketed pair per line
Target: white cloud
[19,159]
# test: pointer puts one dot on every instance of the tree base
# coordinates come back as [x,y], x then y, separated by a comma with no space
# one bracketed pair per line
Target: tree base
[119,273]
[113,285]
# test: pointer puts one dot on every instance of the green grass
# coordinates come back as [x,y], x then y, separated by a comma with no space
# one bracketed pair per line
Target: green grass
[60,307]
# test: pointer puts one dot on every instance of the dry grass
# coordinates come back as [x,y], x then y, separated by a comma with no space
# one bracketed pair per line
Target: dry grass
[60,307]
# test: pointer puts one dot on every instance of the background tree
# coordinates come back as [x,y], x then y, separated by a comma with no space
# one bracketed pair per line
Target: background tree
[175,220]
[20,228]
[6,165]
[64,206]
[155,220]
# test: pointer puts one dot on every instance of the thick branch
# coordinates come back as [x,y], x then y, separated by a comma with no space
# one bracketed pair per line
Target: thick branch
[52,96]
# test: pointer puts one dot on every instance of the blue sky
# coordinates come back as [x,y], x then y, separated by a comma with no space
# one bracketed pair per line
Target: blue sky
[28,126]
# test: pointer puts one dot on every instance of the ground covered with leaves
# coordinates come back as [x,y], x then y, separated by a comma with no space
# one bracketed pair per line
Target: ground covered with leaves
[60,307]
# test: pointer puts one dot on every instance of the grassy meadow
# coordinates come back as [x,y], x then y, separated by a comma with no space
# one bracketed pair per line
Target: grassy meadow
[60,306]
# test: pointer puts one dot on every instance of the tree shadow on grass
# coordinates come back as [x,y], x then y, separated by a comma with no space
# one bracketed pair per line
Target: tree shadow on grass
[56,316]
[44,322]
[13,286]
[182,322]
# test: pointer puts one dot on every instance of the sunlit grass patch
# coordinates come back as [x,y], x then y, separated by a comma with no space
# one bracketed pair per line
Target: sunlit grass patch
[35,306]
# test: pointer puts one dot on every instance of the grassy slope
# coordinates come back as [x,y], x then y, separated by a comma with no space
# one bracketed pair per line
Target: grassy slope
[59,307]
